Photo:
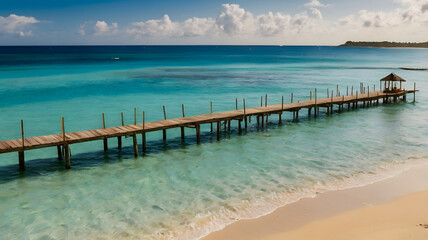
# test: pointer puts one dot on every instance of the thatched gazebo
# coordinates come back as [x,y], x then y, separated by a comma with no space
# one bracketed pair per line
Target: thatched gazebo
[391,83]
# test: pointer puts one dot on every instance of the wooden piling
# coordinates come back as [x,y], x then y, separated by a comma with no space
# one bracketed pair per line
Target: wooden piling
[65,144]
[245,115]
[282,104]
[104,139]
[21,153]
[236,104]
[292,97]
[218,130]
[297,115]
[135,116]
[263,120]
[198,133]
[134,140]
[119,138]
[182,128]
[58,149]
[316,108]
[239,126]
[211,103]
[164,130]
[414,93]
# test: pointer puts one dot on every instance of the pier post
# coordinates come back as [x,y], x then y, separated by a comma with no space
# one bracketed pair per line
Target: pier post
[198,133]
[414,92]
[263,120]
[58,149]
[245,115]
[258,120]
[143,135]
[239,126]
[236,103]
[267,116]
[182,128]
[211,103]
[309,112]
[119,138]
[297,115]
[104,139]
[134,138]
[228,126]
[65,145]
[315,109]
[261,101]
[21,153]
[218,130]
[164,130]
[356,102]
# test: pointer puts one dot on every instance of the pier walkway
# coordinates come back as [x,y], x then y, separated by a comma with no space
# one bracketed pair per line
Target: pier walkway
[64,139]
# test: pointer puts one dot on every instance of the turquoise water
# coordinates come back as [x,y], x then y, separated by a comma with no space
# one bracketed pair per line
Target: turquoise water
[180,189]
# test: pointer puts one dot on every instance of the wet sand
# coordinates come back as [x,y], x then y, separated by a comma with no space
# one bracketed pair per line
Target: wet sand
[389,209]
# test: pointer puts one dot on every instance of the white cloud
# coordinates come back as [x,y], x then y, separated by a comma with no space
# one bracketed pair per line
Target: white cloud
[102,27]
[316,4]
[235,20]
[99,28]
[16,25]
[270,24]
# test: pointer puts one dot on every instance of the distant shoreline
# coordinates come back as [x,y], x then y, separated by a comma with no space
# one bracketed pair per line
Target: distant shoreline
[398,45]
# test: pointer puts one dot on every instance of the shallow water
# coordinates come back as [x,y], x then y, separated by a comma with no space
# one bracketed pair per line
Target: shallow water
[179,189]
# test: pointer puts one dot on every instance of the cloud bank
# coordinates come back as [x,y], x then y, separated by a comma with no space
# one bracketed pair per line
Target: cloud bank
[16,25]
[232,21]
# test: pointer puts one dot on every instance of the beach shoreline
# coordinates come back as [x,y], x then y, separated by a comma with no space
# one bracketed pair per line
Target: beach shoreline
[293,219]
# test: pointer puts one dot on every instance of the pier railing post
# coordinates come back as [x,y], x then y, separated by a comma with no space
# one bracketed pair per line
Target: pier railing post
[164,130]
[119,138]
[143,135]
[316,108]
[65,144]
[104,139]
[245,115]
[182,128]
[21,153]
[414,92]
[211,103]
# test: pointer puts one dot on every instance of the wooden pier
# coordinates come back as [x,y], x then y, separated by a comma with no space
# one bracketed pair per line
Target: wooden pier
[63,140]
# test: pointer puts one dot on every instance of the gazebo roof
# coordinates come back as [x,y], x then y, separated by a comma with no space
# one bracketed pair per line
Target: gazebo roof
[393,77]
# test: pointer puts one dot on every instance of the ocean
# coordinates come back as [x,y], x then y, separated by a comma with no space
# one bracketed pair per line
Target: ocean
[180,190]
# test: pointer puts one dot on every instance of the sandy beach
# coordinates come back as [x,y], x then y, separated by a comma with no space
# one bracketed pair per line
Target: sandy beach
[394,208]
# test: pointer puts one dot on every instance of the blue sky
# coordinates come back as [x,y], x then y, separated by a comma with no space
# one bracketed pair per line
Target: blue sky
[314,22]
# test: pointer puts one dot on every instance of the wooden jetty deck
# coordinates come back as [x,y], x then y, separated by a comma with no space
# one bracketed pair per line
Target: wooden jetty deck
[63,140]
